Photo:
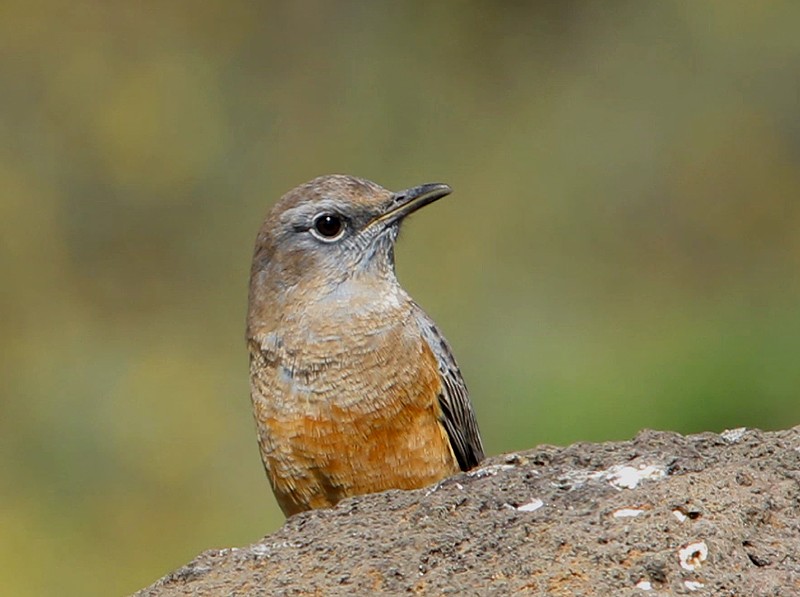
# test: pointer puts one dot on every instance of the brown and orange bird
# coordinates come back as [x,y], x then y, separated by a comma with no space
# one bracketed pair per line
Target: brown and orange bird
[354,388]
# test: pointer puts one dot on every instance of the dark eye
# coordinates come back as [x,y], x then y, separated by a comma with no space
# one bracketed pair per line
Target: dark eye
[328,226]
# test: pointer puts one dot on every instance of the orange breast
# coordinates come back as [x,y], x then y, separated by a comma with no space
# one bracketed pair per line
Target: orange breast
[366,421]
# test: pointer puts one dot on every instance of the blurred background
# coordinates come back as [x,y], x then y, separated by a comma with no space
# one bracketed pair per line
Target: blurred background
[621,250]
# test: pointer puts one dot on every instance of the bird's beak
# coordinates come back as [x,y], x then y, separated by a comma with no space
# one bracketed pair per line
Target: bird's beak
[405,202]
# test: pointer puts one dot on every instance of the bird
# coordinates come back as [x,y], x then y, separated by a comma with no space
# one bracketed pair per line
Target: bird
[354,389]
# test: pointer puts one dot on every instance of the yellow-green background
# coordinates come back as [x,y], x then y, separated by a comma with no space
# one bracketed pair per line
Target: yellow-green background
[621,250]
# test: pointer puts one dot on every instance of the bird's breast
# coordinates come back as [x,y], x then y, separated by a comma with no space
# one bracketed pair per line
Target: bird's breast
[349,413]
[316,362]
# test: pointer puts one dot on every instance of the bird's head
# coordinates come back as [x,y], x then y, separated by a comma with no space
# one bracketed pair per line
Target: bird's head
[333,229]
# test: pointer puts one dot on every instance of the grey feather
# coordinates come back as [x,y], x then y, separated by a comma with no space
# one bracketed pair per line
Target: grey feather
[458,416]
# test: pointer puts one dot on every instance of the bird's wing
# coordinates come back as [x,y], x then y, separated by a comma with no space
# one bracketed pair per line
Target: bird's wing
[458,417]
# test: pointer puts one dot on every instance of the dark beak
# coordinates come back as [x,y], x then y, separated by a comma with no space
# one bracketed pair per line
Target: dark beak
[406,202]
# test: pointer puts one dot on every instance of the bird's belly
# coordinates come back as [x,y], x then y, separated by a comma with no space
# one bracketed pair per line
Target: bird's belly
[363,422]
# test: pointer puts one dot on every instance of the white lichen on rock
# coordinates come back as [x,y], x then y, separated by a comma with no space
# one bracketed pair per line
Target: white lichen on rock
[693,555]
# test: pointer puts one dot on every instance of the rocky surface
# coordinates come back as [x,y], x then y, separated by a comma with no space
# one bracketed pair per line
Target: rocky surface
[663,514]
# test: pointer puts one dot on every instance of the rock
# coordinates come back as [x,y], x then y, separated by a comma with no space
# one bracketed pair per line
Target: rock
[661,514]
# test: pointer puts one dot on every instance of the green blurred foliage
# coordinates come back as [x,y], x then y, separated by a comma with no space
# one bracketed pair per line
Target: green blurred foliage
[621,252]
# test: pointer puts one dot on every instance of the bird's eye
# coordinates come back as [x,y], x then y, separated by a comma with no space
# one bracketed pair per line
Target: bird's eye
[327,226]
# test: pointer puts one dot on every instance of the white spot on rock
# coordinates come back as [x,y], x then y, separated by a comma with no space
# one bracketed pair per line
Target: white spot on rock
[693,585]
[627,513]
[489,471]
[619,476]
[679,515]
[531,506]
[628,477]
[693,555]
[260,550]
[733,435]
[644,585]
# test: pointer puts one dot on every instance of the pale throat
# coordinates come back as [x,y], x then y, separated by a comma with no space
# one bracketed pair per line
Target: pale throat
[354,310]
